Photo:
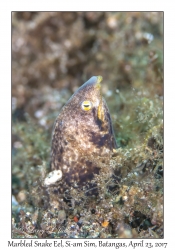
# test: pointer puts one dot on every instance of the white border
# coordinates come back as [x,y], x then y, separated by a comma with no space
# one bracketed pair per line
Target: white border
[5,96]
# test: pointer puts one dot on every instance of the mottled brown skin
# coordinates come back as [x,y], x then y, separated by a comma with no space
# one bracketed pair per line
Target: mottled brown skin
[82,140]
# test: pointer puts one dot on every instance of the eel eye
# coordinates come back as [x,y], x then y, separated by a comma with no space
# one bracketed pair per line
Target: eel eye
[86,105]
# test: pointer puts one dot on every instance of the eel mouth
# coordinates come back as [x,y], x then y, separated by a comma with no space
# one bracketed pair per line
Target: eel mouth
[100,111]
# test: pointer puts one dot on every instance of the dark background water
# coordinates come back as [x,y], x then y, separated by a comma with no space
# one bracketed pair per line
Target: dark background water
[53,53]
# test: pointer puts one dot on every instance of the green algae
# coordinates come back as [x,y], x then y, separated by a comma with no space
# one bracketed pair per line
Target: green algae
[131,65]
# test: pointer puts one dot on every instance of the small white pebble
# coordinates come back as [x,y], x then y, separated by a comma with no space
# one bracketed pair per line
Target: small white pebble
[17,144]
[39,113]
[53,177]
[109,93]
[125,198]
